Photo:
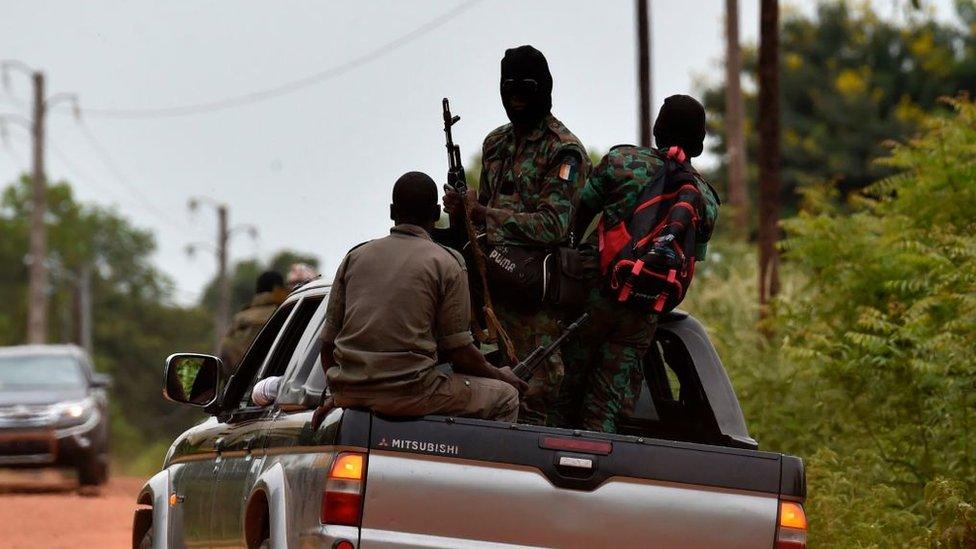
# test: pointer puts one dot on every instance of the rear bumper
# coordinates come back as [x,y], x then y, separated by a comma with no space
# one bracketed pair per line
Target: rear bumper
[51,446]
[387,539]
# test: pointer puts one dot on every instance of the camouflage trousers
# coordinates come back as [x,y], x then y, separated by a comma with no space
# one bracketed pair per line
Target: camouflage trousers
[603,365]
[529,330]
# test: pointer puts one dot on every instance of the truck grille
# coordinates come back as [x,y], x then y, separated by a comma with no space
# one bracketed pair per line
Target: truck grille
[25,447]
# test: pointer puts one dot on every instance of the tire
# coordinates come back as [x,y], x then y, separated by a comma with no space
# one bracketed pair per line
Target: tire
[147,540]
[142,530]
[93,471]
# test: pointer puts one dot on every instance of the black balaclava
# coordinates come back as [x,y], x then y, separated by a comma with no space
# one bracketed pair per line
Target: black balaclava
[681,122]
[521,64]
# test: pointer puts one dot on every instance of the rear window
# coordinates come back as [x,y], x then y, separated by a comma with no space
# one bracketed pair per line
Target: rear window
[40,372]
[672,404]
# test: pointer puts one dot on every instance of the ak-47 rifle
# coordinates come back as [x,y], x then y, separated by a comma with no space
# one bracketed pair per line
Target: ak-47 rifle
[457,180]
[525,369]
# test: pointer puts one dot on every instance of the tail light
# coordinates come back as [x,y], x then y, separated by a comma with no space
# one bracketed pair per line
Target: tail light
[601,447]
[342,501]
[791,531]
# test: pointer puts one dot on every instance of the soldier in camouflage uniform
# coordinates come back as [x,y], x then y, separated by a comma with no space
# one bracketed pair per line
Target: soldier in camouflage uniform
[269,293]
[604,373]
[530,173]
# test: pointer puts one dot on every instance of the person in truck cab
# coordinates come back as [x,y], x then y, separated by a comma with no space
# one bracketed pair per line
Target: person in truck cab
[269,292]
[397,305]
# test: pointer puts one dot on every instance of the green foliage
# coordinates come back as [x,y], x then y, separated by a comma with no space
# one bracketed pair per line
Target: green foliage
[851,80]
[871,378]
[888,318]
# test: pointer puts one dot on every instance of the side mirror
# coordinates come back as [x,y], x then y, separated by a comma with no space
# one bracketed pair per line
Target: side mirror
[100,380]
[192,379]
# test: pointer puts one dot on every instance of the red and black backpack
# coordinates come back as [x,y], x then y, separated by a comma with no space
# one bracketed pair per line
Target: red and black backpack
[648,258]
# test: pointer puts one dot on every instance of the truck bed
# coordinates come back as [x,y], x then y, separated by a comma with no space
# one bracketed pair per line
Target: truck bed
[443,482]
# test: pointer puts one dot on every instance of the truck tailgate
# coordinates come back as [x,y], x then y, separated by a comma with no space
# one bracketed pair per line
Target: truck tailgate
[466,483]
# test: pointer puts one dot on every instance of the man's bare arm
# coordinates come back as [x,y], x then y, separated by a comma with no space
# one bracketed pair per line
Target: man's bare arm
[466,359]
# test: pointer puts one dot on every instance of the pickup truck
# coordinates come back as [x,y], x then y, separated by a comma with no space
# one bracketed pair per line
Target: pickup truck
[684,472]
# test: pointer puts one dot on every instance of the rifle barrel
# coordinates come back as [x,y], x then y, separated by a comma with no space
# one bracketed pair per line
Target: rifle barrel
[540,353]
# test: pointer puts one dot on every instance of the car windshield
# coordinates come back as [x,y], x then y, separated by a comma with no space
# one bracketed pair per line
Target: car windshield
[29,372]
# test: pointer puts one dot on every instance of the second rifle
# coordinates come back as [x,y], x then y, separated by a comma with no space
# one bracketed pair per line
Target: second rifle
[527,367]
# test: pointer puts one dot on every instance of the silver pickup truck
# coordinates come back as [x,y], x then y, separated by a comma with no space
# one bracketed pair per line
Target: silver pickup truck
[684,472]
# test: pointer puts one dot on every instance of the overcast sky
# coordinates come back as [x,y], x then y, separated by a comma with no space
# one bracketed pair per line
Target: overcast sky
[313,169]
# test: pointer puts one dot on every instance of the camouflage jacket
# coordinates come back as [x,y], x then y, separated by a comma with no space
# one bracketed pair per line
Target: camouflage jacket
[529,185]
[245,327]
[616,182]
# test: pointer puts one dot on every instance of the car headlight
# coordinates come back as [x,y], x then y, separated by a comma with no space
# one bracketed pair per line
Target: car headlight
[75,412]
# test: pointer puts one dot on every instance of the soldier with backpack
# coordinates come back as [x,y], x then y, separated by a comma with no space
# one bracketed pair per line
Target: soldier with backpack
[657,215]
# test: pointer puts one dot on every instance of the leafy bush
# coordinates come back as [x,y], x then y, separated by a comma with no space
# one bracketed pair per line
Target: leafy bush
[872,373]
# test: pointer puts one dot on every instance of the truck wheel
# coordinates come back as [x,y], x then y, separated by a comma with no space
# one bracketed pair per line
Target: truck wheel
[142,530]
[93,471]
[147,540]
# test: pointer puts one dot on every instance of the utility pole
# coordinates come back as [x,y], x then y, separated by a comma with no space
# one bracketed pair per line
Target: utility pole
[734,129]
[221,253]
[769,160]
[37,271]
[644,71]
[37,299]
[223,281]
[83,309]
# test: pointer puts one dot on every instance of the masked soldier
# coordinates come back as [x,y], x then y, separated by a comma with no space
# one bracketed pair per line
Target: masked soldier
[604,373]
[269,293]
[529,176]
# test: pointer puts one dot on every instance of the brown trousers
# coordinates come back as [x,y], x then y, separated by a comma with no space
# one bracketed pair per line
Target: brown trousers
[443,394]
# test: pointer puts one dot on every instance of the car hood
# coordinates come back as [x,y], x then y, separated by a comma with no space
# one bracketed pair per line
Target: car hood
[13,398]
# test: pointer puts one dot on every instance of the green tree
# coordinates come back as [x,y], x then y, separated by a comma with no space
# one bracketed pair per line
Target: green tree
[850,80]
[887,323]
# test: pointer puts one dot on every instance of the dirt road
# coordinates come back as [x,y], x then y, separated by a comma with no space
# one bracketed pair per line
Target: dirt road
[48,512]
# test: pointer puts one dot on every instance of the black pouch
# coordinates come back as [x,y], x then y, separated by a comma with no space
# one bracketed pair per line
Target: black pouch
[563,277]
[516,273]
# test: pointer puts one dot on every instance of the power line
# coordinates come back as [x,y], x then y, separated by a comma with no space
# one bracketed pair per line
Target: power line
[288,87]
[80,174]
[86,178]
[109,163]
[21,162]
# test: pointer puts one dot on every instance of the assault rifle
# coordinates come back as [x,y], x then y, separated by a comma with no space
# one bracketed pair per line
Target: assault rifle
[456,179]
[525,369]
[455,171]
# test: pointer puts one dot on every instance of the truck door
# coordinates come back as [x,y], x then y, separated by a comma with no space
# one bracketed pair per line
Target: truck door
[192,481]
[243,455]
[234,435]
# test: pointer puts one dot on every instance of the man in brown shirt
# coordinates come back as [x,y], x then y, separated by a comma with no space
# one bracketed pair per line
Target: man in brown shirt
[397,305]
